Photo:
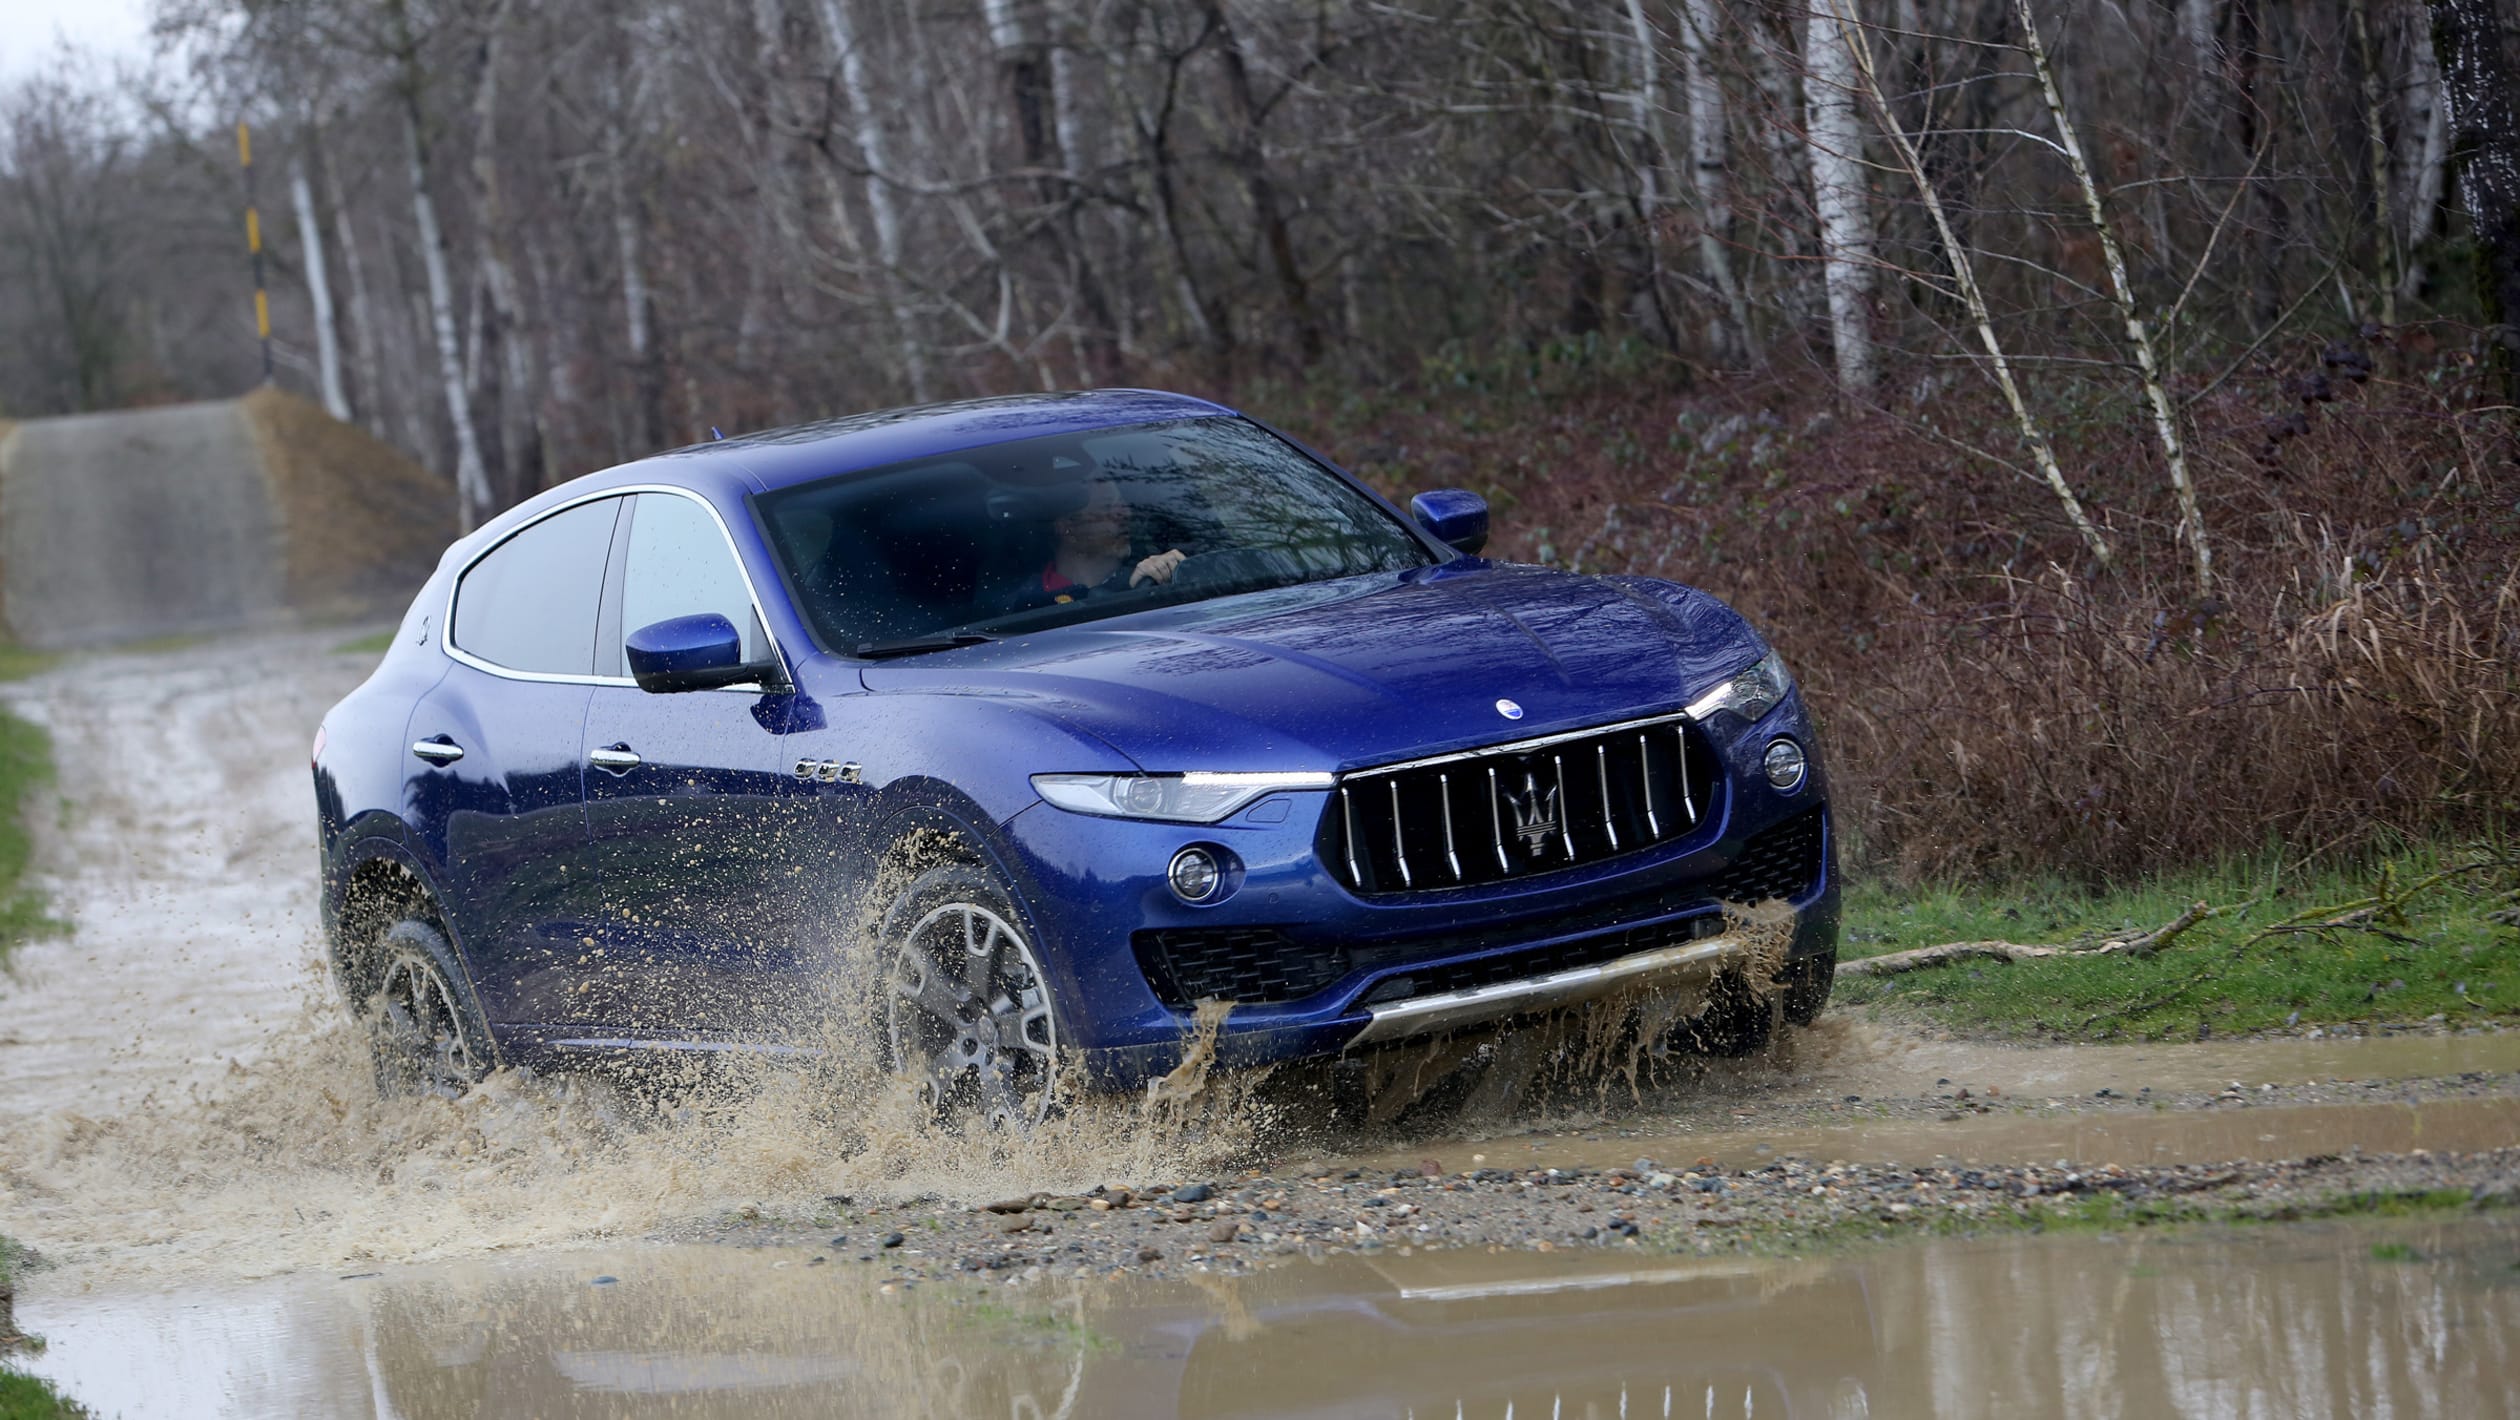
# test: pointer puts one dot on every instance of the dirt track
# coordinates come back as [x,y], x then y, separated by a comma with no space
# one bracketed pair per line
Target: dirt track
[176,1093]
[137,524]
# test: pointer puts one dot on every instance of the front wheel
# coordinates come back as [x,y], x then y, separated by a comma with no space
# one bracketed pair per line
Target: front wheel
[966,1008]
[424,1032]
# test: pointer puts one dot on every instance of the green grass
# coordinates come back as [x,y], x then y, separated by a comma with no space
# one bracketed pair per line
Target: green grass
[23,1397]
[2406,949]
[26,765]
[17,662]
[375,645]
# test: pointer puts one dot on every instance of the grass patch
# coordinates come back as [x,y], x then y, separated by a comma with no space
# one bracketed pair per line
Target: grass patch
[26,764]
[2287,947]
[18,662]
[25,1397]
[376,645]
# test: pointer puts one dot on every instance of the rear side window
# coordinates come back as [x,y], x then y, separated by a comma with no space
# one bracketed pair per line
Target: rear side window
[530,604]
[678,564]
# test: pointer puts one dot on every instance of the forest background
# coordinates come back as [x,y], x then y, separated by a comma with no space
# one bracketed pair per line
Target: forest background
[2107,405]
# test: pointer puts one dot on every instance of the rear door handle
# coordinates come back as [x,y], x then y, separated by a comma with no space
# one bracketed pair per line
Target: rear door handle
[615,759]
[439,751]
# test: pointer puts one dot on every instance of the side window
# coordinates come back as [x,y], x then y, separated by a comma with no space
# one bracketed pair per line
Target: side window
[530,605]
[678,564]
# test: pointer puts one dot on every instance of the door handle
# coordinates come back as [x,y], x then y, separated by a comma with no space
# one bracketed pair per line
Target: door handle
[439,751]
[615,759]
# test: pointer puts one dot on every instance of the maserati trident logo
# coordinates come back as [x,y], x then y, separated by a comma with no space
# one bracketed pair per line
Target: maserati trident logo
[1535,814]
[1509,709]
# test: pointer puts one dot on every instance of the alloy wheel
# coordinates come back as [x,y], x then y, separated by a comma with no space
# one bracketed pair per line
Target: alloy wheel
[418,1030]
[969,1017]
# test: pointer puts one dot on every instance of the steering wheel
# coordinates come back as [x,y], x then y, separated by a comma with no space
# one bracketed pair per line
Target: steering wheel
[1226,568]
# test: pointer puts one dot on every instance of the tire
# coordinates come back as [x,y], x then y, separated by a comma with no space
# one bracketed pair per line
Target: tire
[1737,1020]
[426,1034]
[963,1005]
[1807,982]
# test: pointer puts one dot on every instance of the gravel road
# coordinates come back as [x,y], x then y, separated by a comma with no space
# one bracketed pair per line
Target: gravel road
[136,524]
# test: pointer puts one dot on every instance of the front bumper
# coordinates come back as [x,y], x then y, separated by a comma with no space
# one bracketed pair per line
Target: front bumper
[1394,966]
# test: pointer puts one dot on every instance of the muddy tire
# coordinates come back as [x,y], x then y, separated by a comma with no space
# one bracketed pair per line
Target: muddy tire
[962,1003]
[1806,983]
[1737,1020]
[426,1033]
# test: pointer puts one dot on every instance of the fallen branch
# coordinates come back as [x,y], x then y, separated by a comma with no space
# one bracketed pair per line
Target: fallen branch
[1917,959]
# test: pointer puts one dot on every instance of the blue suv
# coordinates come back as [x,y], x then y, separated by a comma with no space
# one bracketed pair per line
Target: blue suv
[1045,720]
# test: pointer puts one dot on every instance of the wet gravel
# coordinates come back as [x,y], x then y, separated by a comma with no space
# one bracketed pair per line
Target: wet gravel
[1652,1205]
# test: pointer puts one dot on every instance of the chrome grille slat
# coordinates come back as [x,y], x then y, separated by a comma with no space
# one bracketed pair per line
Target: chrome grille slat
[1399,837]
[1645,783]
[1452,857]
[1543,814]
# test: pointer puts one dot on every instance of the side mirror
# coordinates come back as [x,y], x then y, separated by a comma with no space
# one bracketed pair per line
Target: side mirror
[1456,516]
[700,652]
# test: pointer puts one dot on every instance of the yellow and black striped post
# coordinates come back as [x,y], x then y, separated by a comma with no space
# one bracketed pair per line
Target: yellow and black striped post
[253,244]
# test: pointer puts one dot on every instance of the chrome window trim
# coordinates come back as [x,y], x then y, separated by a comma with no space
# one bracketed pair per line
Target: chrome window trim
[1678,717]
[455,585]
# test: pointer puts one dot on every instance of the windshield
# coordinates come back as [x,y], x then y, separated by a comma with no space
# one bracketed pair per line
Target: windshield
[1067,528]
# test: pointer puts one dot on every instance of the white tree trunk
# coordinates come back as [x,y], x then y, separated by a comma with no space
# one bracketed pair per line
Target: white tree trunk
[1964,276]
[1710,163]
[2198,22]
[2165,419]
[874,150]
[318,292]
[1838,189]
[2423,150]
[1645,110]
[364,345]
[472,483]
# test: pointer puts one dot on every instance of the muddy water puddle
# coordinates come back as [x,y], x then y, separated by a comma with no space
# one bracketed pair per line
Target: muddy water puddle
[2402,1318]
[1842,1065]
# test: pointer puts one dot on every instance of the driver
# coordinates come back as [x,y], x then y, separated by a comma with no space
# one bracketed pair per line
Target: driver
[1092,554]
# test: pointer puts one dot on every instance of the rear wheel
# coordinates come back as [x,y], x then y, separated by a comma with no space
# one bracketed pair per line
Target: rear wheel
[425,1033]
[966,1009]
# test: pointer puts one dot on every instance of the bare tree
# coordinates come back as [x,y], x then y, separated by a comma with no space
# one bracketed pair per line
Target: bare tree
[1839,190]
[2485,144]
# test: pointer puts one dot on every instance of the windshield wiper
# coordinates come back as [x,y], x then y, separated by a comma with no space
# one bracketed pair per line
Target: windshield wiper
[921,645]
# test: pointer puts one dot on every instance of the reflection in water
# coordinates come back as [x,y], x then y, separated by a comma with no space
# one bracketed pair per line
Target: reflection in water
[2329,1320]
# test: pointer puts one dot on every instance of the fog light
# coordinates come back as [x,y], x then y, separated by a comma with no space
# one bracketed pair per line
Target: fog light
[1785,765]
[1195,876]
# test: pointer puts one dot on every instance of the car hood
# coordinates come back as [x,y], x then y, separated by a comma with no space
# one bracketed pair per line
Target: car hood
[1361,671]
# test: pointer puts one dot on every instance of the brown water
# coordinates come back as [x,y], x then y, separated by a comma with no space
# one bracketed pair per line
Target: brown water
[2397,1319]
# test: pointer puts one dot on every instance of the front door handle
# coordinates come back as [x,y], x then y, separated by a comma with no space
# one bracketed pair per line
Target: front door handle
[615,759]
[440,751]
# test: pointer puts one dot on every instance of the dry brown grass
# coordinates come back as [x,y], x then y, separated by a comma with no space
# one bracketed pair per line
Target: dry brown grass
[1991,703]
[362,523]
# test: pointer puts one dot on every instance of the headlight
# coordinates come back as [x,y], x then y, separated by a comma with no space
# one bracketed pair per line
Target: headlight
[1750,694]
[1196,797]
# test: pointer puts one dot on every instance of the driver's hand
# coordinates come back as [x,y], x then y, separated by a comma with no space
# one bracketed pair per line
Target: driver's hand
[1158,568]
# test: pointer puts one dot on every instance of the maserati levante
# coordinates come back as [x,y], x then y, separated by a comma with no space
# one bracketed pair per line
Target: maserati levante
[1048,718]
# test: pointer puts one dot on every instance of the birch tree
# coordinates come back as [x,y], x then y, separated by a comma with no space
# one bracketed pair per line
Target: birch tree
[1839,190]
[1710,166]
[874,151]
[2485,145]
[318,291]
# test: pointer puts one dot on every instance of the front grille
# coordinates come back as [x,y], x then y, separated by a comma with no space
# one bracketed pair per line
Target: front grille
[1250,965]
[1518,810]
[1780,861]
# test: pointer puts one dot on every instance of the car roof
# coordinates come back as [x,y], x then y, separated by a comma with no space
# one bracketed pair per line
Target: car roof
[729,469]
[777,458]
